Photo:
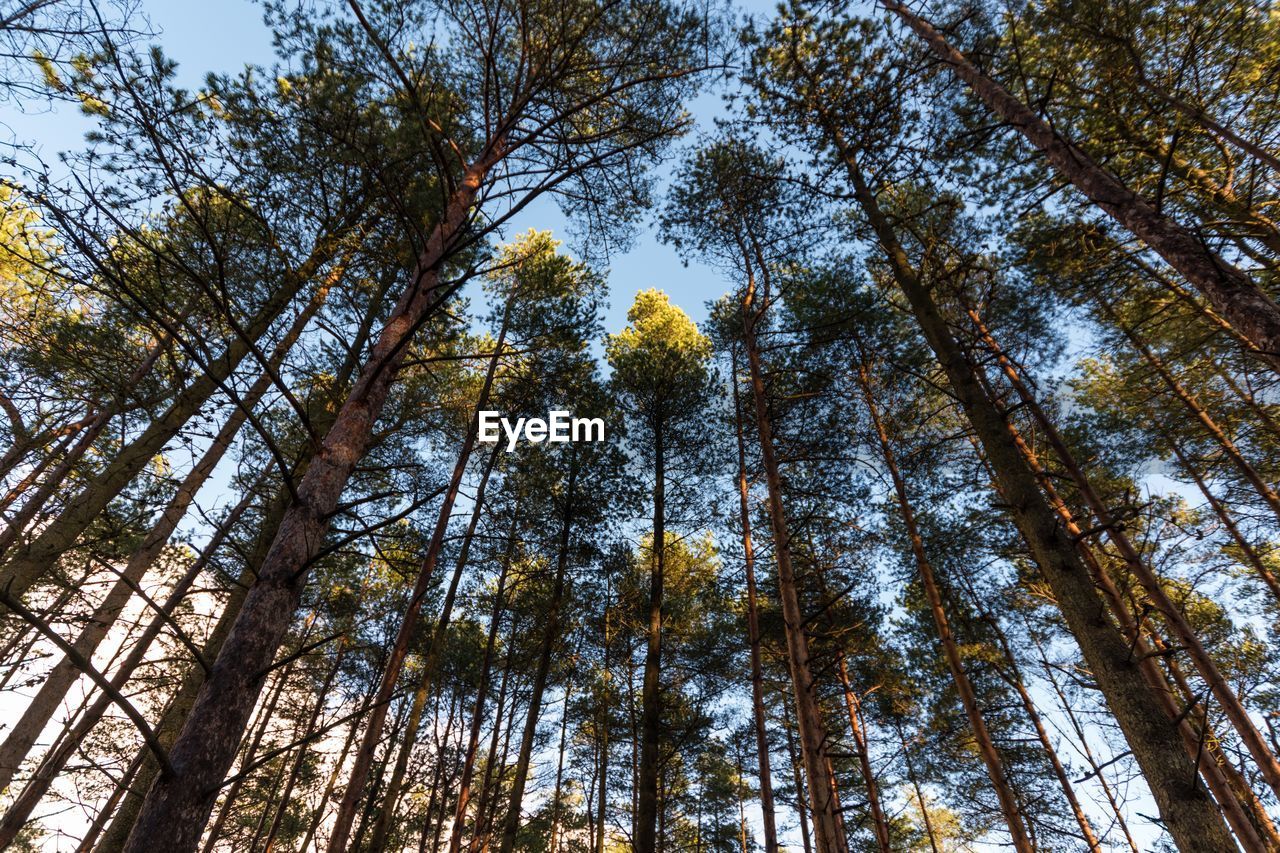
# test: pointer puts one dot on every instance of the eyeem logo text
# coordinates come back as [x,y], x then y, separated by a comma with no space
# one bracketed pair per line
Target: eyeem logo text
[560,427]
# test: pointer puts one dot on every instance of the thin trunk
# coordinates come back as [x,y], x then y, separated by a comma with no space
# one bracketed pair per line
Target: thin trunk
[1095,770]
[331,783]
[20,578]
[1250,553]
[1228,799]
[951,651]
[828,825]
[409,623]
[179,803]
[554,846]
[915,786]
[487,785]
[768,818]
[802,797]
[299,760]
[853,704]
[1232,293]
[603,721]
[651,692]
[482,691]
[430,667]
[24,636]
[550,635]
[1013,677]
[104,814]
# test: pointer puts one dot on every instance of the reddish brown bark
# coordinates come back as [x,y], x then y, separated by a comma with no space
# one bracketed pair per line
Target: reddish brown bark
[767,808]
[178,804]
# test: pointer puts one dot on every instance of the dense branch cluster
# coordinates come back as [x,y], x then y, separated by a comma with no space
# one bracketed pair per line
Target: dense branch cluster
[954,524]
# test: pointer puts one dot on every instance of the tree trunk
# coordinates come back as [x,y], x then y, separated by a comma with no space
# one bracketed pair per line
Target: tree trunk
[36,500]
[1232,293]
[178,804]
[1172,614]
[1219,436]
[426,680]
[1013,677]
[802,798]
[828,826]
[767,809]
[853,704]
[549,637]
[651,692]
[1251,555]
[915,786]
[295,769]
[951,652]
[1188,812]
[332,782]
[482,692]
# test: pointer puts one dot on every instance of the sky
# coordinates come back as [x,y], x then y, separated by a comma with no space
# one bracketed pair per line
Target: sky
[222,36]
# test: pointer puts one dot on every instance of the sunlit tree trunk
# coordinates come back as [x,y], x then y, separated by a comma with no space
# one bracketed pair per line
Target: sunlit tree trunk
[853,705]
[767,809]
[178,803]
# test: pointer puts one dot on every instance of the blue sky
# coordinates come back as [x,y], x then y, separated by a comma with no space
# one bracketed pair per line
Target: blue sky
[225,35]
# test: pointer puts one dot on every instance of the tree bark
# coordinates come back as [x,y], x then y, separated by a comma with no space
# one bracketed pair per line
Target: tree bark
[178,804]
[854,705]
[767,809]
[1187,810]
[1231,292]
[482,692]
